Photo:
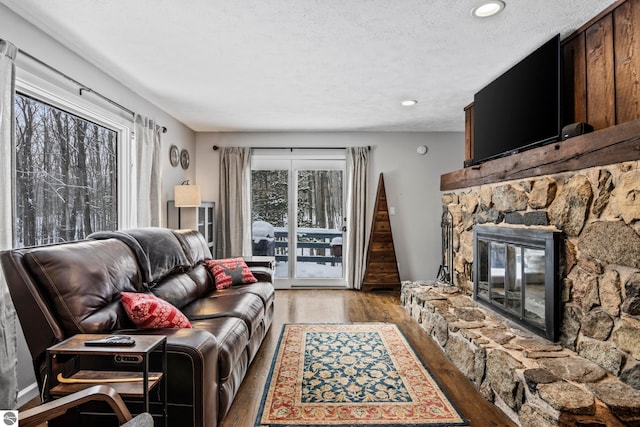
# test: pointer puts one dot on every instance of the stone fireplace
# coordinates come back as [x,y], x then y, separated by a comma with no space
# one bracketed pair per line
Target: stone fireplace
[598,213]
[591,374]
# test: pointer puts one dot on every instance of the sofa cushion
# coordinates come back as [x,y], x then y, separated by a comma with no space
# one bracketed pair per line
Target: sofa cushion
[264,290]
[150,312]
[83,281]
[135,247]
[194,245]
[230,271]
[181,289]
[247,307]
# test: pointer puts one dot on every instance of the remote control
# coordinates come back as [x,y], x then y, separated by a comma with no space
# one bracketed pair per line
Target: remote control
[112,341]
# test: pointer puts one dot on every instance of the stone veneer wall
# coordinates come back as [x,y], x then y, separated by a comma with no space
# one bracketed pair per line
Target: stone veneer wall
[598,209]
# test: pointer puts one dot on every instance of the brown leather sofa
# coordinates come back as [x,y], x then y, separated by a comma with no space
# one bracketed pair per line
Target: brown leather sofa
[65,289]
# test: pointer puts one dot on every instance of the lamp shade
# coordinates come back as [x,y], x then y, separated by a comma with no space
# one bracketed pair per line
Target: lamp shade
[186,196]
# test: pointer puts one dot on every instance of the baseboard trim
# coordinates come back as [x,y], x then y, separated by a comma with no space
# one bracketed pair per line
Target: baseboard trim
[27,394]
[319,287]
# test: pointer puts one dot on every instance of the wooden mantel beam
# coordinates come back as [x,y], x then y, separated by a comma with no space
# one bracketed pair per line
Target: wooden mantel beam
[616,144]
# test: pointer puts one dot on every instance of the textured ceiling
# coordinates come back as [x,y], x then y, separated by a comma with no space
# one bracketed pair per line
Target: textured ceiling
[317,65]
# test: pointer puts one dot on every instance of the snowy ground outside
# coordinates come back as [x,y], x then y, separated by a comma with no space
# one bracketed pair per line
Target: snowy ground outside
[310,270]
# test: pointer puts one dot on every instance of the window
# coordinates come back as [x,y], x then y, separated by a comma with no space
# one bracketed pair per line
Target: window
[73,161]
[65,175]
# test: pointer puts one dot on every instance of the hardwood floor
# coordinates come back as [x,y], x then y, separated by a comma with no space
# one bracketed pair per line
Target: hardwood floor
[341,306]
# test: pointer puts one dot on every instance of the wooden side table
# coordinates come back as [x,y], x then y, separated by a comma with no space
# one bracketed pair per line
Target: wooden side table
[133,381]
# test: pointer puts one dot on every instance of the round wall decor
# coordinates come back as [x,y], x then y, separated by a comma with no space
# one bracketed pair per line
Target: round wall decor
[174,155]
[184,159]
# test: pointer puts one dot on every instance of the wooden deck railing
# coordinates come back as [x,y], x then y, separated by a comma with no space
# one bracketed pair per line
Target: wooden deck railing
[312,247]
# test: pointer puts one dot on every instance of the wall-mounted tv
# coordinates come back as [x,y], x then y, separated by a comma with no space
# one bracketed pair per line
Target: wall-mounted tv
[521,108]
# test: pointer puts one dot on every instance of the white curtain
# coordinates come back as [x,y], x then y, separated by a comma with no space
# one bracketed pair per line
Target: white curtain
[358,171]
[148,172]
[234,231]
[8,346]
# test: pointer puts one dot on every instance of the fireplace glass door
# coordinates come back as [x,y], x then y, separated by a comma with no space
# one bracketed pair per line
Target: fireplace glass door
[515,274]
[534,278]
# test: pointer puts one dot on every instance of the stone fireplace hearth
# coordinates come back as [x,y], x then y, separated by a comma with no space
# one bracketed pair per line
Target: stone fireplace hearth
[535,382]
[598,211]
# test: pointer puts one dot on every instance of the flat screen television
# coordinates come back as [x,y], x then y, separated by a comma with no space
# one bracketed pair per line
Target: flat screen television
[521,108]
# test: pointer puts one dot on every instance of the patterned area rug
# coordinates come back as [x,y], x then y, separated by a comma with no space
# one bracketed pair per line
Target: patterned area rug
[363,374]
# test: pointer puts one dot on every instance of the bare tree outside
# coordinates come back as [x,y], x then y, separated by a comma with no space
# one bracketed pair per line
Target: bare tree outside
[319,198]
[269,196]
[66,175]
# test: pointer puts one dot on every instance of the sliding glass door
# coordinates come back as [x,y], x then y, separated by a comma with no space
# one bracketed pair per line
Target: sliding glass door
[298,217]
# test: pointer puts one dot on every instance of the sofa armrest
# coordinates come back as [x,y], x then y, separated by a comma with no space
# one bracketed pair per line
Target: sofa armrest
[262,267]
[263,274]
[260,261]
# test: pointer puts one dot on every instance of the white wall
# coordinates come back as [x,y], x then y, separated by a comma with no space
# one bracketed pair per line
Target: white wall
[412,181]
[30,39]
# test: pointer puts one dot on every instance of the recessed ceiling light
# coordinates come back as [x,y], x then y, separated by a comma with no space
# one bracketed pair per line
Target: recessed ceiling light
[488,8]
[408,102]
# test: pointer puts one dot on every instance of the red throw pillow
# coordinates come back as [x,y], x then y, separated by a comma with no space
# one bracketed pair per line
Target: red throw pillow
[148,311]
[229,272]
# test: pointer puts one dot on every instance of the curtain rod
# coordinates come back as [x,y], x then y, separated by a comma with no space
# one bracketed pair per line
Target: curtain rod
[83,88]
[216,148]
